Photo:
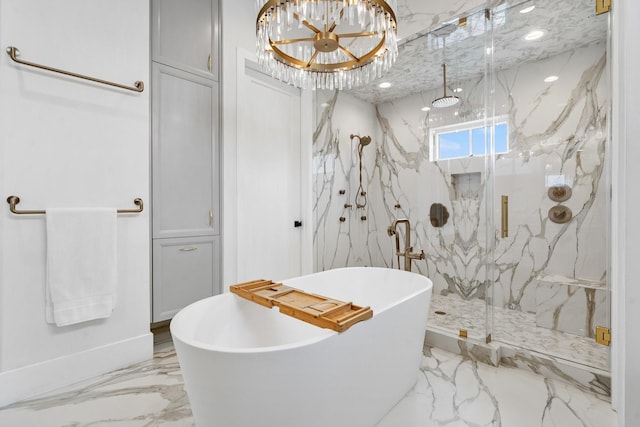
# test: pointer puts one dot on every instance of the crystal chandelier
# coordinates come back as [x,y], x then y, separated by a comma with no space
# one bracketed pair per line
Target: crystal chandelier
[326,44]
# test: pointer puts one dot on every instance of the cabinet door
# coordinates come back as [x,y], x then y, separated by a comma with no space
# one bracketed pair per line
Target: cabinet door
[185,270]
[185,154]
[185,35]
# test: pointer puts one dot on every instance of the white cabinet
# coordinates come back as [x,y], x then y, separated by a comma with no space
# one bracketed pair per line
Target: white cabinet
[185,159]
[185,154]
[185,35]
[185,270]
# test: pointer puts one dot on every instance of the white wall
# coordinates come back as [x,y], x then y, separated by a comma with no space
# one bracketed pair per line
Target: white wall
[71,143]
[238,31]
[626,205]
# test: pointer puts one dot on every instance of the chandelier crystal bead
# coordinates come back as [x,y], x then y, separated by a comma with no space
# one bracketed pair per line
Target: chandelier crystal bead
[326,44]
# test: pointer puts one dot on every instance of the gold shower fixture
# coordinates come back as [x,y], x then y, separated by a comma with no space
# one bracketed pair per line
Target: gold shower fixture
[326,44]
[361,195]
[445,100]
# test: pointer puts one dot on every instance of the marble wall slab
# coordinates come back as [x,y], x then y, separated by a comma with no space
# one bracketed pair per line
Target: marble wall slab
[572,306]
[558,133]
[414,16]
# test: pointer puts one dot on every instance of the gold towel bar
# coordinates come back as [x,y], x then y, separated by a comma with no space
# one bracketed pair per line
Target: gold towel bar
[14,200]
[13,53]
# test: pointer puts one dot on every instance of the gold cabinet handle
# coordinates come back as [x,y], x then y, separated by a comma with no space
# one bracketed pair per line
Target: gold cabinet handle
[505,216]
[210,62]
[189,249]
[210,218]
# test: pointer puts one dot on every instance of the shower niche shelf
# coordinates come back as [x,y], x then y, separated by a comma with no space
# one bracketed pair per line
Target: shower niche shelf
[315,309]
[467,185]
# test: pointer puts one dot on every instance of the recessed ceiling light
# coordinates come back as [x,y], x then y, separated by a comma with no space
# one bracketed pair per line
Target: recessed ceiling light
[458,90]
[551,79]
[489,50]
[528,9]
[425,109]
[534,35]
[384,85]
[324,104]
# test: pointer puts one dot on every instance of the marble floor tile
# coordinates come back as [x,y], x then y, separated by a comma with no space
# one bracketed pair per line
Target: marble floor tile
[451,390]
[454,391]
[147,394]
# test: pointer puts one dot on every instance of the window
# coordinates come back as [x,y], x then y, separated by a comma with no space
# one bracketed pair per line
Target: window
[467,140]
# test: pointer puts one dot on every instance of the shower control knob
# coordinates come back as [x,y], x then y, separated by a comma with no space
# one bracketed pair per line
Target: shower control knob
[297,224]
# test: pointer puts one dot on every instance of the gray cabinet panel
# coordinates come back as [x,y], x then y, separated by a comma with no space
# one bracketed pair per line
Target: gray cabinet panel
[185,270]
[185,154]
[185,35]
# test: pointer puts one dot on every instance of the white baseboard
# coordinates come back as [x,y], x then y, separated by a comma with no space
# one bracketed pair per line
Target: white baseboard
[29,381]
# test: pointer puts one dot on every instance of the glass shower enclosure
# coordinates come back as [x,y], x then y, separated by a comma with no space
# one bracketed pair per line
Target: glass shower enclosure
[492,140]
[551,187]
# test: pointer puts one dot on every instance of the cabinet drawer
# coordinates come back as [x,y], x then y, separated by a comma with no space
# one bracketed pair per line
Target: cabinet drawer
[185,270]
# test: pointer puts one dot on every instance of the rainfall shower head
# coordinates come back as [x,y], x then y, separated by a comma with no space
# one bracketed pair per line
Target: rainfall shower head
[444,100]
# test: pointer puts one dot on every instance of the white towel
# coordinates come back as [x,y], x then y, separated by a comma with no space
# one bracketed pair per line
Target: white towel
[81,264]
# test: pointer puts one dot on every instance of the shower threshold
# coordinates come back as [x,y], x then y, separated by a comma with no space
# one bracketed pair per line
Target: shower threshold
[517,342]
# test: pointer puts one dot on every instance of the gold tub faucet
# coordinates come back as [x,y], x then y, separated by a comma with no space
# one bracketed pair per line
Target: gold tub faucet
[408,253]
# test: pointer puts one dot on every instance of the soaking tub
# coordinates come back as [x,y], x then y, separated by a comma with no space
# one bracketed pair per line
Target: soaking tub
[247,365]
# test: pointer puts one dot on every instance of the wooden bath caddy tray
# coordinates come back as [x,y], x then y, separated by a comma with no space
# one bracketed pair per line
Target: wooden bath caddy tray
[315,309]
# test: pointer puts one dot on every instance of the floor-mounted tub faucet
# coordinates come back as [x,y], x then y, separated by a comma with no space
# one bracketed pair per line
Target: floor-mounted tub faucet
[408,255]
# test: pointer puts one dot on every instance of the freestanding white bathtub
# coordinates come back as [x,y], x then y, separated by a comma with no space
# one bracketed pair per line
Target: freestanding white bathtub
[249,366]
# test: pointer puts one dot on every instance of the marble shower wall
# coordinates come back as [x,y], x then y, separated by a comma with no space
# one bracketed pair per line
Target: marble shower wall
[341,237]
[557,133]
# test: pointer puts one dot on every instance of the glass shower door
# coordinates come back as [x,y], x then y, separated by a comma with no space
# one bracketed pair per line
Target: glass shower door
[551,192]
[458,239]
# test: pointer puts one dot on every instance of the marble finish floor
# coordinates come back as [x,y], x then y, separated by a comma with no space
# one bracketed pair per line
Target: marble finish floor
[515,328]
[451,390]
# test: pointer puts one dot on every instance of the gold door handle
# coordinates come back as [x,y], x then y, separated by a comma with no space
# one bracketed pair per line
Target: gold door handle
[505,217]
[210,218]
[210,63]
[189,249]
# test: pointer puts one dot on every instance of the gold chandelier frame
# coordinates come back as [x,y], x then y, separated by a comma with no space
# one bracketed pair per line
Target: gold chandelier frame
[327,40]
